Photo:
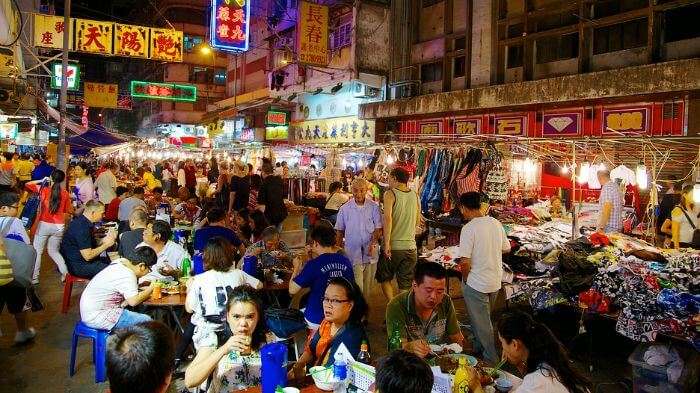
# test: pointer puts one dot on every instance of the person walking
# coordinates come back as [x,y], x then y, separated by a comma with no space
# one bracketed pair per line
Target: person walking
[271,196]
[482,243]
[610,204]
[54,208]
[401,216]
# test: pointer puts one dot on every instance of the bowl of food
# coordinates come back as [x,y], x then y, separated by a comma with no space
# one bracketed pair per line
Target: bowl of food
[504,384]
[323,377]
[172,288]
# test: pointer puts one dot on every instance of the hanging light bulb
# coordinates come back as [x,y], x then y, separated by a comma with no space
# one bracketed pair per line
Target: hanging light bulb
[642,180]
[583,173]
[390,159]
[696,193]
[565,170]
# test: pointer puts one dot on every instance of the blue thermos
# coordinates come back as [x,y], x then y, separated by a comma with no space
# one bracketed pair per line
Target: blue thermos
[250,265]
[198,263]
[274,371]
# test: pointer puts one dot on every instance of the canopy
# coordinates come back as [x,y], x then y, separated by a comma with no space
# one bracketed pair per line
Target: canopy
[96,137]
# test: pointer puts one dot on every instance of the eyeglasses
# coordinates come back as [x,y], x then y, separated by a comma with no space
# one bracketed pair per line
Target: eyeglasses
[335,302]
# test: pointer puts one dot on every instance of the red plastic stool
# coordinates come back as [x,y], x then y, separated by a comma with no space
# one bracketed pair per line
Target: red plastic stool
[68,290]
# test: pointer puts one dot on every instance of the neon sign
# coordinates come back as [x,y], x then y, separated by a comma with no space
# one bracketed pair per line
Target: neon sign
[230,22]
[275,118]
[163,91]
[73,76]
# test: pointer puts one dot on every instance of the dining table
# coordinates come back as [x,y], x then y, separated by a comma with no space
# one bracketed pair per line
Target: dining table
[172,303]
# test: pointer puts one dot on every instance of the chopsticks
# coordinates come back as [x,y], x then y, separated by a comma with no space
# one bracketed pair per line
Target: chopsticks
[495,370]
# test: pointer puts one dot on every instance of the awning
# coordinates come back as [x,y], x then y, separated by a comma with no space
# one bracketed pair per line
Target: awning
[83,143]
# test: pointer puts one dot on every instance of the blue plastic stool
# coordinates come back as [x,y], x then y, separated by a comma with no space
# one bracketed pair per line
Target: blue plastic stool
[99,349]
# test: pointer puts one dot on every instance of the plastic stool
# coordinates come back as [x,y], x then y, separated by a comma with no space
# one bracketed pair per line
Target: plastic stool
[68,290]
[99,349]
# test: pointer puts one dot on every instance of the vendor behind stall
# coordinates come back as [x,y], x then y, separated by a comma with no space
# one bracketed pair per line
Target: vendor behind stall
[610,204]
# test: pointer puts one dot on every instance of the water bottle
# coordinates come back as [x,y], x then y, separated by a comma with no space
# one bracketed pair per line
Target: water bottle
[186,267]
[198,263]
[340,374]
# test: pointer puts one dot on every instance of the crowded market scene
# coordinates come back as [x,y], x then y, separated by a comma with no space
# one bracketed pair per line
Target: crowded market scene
[307,196]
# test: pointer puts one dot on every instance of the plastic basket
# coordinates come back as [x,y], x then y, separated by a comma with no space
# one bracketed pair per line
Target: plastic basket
[361,376]
[442,384]
[654,379]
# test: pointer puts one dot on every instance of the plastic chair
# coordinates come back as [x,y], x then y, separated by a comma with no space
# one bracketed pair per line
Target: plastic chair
[99,349]
[68,290]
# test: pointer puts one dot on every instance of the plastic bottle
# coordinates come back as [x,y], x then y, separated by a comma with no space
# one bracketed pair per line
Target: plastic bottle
[186,267]
[363,356]
[394,338]
[340,374]
[461,381]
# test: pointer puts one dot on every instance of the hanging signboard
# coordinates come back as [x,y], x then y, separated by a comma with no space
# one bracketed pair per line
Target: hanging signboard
[163,91]
[626,120]
[561,124]
[93,36]
[312,34]
[77,98]
[349,129]
[467,126]
[131,41]
[166,44]
[101,95]
[276,118]
[511,125]
[73,75]
[48,31]
[230,25]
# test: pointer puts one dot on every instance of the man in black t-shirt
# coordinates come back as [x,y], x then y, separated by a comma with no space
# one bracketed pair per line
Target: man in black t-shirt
[271,196]
[79,246]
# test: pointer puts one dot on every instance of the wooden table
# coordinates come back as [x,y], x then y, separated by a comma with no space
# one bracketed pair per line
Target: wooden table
[171,303]
[306,385]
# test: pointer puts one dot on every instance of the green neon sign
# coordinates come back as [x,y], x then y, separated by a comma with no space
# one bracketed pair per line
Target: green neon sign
[73,76]
[163,91]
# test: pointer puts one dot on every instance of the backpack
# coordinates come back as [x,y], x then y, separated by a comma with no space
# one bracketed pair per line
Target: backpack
[31,209]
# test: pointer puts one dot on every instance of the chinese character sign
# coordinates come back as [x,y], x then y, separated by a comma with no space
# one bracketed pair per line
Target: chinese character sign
[312,34]
[348,129]
[230,25]
[131,41]
[632,120]
[73,75]
[48,31]
[467,126]
[166,44]
[511,125]
[93,36]
[163,91]
[102,95]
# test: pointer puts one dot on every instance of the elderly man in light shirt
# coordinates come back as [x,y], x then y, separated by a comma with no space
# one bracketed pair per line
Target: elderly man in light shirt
[359,222]
[610,204]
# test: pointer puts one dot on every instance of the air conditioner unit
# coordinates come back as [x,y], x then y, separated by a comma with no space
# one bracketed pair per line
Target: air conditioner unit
[360,90]
[404,91]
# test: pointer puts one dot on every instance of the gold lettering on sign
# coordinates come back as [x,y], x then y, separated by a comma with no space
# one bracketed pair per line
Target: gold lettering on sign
[429,128]
[465,127]
[509,126]
[625,121]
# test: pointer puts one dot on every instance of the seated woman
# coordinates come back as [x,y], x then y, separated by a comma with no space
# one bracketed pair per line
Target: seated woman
[234,361]
[270,250]
[532,348]
[344,308]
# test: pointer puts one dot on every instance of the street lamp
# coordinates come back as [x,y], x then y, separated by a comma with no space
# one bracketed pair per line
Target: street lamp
[205,49]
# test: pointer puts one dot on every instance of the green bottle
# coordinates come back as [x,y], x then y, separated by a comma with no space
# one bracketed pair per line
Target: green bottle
[186,267]
[395,337]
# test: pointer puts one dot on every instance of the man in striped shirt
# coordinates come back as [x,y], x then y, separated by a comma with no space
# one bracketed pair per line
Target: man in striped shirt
[610,204]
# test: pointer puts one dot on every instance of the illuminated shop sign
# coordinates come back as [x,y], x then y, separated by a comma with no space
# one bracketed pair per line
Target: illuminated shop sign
[230,25]
[163,91]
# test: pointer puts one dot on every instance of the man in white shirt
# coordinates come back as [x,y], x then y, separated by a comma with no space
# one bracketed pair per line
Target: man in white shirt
[170,254]
[106,184]
[481,245]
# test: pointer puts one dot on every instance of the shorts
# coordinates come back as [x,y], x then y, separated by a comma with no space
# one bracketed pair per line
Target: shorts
[14,296]
[402,265]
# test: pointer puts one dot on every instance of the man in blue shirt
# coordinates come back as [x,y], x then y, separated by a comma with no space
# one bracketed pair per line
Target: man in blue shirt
[79,246]
[316,273]
[216,226]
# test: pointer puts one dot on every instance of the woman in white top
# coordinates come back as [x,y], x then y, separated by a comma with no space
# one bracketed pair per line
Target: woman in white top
[234,362]
[532,348]
[684,219]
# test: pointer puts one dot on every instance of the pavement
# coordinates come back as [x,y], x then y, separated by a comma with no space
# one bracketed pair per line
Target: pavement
[42,365]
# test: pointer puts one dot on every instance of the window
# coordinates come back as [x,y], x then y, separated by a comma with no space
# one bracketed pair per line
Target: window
[627,35]
[431,72]
[191,42]
[459,64]
[516,30]
[460,43]
[682,23]
[342,36]
[613,7]
[220,76]
[556,48]
[198,75]
[515,56]
[428,3]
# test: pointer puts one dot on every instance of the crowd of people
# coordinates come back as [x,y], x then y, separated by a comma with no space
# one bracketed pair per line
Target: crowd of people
[114,226]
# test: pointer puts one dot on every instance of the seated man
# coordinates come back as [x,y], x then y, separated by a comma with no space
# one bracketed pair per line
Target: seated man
[424,314]
[141,355]
[128,205]
[112,210]
[188,210]
[80,248]
[170,254]
[403,372]
[155,199]
[216,226]
[130,239]
[270,250]
[103,300]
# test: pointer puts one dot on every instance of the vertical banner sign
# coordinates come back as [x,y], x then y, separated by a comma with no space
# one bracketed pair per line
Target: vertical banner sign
[73,75]
[166,44]
[102,95]
[312,34]
[230,25]
[94,36]
[85,117]
[48,31]
[131,41]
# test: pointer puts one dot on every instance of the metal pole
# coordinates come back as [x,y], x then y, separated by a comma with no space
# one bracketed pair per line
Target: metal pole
[61,151]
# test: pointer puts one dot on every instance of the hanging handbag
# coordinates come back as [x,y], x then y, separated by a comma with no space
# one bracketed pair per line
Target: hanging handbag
[695,243]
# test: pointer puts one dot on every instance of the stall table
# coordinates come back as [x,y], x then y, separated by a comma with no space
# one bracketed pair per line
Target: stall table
[171,303]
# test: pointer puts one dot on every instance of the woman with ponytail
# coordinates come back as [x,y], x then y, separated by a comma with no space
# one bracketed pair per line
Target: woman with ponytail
[54,207]
[532,348]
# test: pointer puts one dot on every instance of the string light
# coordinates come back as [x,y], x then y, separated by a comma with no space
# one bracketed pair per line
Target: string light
[565,170]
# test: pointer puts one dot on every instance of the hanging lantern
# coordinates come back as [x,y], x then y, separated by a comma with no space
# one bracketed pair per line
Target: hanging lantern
[642,180]
[583,173]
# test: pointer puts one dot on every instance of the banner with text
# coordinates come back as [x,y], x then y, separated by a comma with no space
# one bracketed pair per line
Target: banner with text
[101,95]
[312,34]
[349,129]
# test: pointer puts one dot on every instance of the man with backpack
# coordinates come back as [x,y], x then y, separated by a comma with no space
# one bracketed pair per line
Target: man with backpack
[15,296]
